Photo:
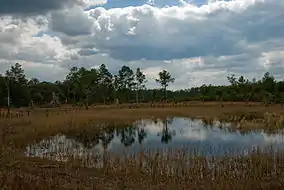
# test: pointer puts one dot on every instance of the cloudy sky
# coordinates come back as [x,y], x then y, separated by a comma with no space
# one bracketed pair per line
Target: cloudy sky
[198,41]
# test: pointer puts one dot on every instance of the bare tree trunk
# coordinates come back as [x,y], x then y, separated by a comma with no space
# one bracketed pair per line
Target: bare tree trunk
[86,102]
[86,105]
[117,102]
[8,98]
[166,93]
[137,96]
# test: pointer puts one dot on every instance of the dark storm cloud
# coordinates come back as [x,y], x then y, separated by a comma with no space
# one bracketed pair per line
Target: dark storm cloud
[130,53]
[31,7]
[71,23]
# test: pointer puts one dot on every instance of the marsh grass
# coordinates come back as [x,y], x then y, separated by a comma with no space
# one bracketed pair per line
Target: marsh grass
[158,169]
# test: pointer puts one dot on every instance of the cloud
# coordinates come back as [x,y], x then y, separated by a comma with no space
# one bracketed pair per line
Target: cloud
[197,44]
[38,54]
[72,22]
[216,29]
[35,7]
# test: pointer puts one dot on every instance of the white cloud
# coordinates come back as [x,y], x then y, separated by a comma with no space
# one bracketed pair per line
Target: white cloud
[94,2]
[197,44]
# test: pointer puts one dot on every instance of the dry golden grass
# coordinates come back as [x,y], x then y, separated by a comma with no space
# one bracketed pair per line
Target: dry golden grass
[21,128]
[252,172]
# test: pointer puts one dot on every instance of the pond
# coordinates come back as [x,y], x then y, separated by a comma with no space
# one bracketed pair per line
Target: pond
[193,136]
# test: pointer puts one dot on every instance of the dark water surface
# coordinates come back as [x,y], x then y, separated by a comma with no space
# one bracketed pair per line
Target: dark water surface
[197,138]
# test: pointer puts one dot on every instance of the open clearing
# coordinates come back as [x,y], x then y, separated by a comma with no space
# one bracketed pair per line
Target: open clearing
[35,155]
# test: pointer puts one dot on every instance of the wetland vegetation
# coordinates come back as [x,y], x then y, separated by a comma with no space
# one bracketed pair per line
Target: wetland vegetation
[145,148]
[99,131]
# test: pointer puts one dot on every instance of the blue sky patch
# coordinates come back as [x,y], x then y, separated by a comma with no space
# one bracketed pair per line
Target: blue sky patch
[158,3]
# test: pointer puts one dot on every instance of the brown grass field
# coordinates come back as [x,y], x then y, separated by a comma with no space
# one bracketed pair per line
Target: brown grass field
[23,127]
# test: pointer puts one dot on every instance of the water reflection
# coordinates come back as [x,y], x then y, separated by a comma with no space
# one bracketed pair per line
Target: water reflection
[195,136]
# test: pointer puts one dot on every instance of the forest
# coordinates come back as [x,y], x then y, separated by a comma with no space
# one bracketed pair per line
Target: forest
[99,86]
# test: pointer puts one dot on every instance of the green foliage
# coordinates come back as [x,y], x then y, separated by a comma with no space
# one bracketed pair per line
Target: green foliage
[140,80]
[99,86]
[125,83]
[16,85]
[164,79]
[106,88]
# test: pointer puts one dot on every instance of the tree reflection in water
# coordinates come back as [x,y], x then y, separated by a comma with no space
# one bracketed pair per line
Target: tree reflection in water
[127,134]
[166,135]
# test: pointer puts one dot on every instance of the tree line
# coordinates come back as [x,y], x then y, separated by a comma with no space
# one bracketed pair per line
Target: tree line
[100,86]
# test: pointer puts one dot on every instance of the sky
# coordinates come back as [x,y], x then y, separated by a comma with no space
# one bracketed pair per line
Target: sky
[197,41]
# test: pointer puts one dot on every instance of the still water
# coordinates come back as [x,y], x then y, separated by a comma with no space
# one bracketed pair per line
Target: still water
[194,136]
